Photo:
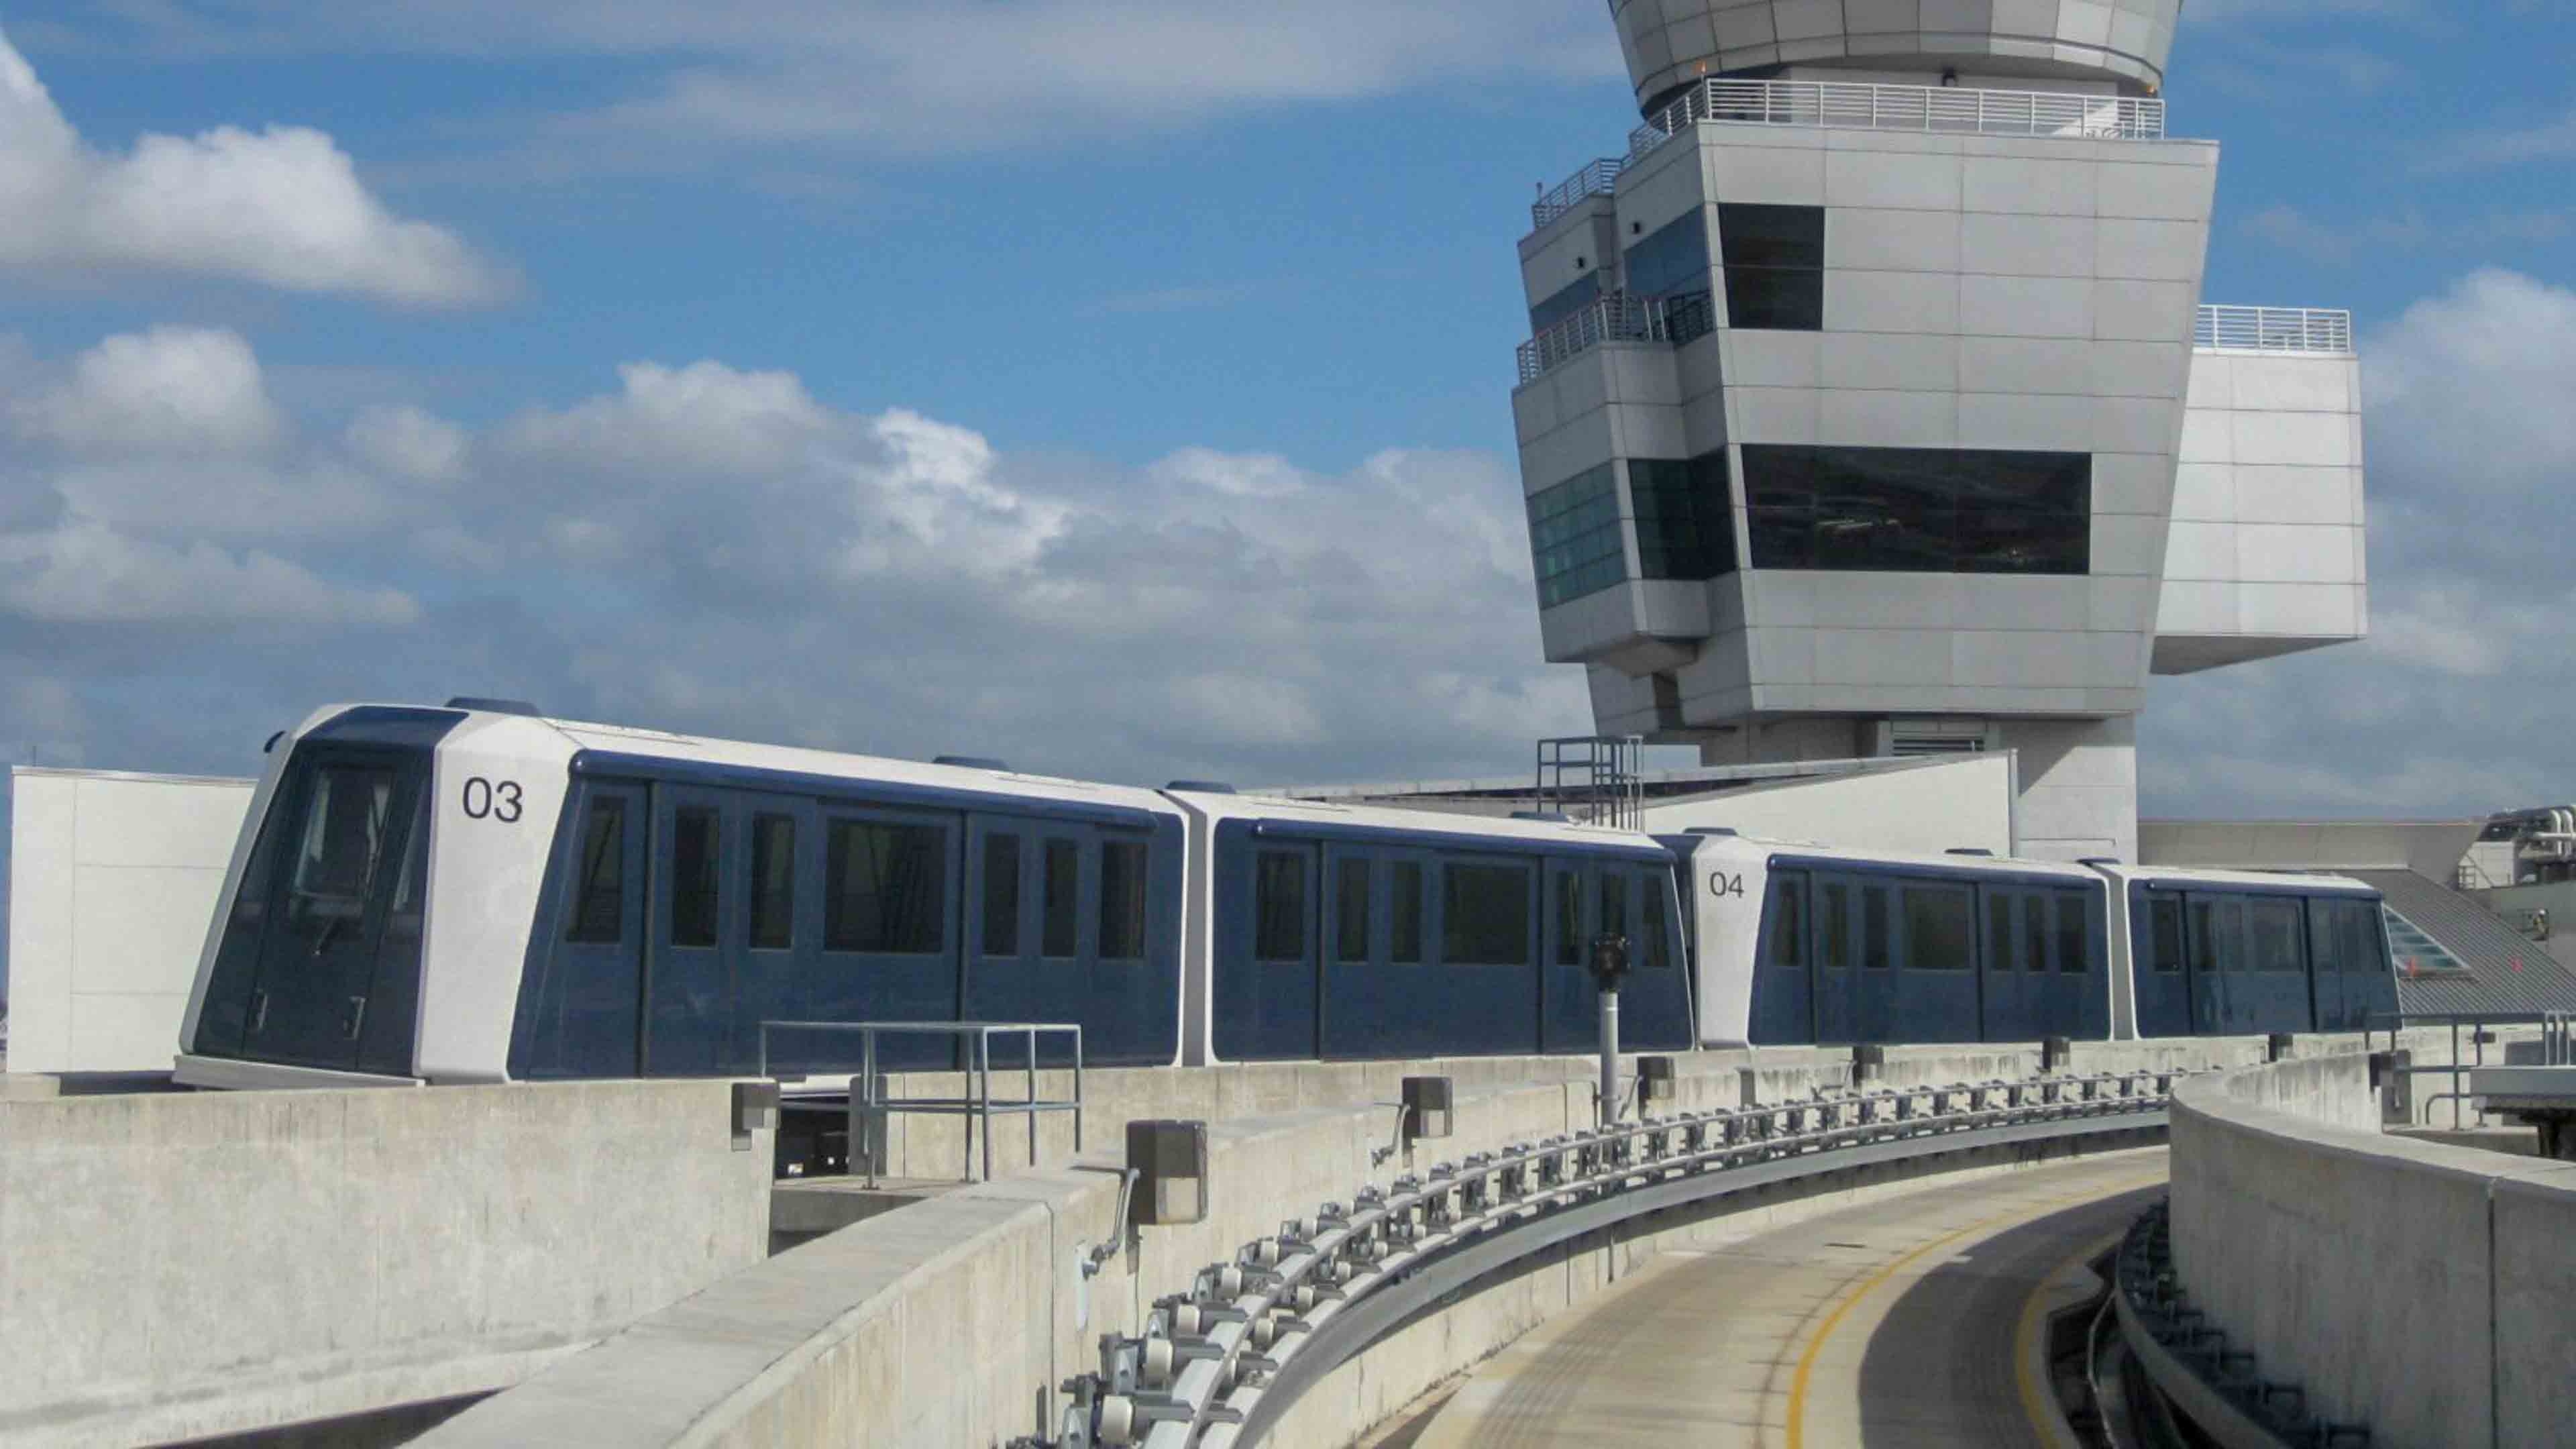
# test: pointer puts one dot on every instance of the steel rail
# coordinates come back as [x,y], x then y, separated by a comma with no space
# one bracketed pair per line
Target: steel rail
[1218,1364]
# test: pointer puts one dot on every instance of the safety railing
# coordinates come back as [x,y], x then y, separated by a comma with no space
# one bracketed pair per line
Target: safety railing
[869,1107]
[1675,317]
[1597,178]
[1218,1363]
[2557,1045]
[1903,108]
[2274,329]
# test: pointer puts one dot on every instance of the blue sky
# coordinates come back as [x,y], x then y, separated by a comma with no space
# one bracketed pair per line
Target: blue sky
[1120,386]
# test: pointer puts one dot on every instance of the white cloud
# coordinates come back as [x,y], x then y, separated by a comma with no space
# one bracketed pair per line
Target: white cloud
[172,389]
[283,207]
[2467,393]
[704,417]
[87,574]
[408,443]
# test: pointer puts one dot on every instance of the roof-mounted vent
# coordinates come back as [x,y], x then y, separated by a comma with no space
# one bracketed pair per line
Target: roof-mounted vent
[1970,850]
[493,706]
[1552,817]
[1201,787]
[973,762]
[1724,831]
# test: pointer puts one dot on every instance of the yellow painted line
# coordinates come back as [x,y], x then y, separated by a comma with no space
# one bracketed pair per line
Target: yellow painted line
[2036,1400]
[1824,1330]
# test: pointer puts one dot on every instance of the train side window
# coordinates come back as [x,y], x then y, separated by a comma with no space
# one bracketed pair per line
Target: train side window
[1060,901]
[886,887]
[1404,912]
[2217,927]
[599,911]
[773,882]
[1833,926]
[2365,950]
[1279,906]
[2072,942]
[2034,933]
[694,875]
[1484,915]
[1001,895]
[2275,922]
[1938,923]
[403,922]
[1999,926]
[1876,949]
[1789,922]
[1569,918]
[2164,935]
[1614,903]
[2231,933]
[1122,900]
[1657,958]
[1351,909]
[2325,938]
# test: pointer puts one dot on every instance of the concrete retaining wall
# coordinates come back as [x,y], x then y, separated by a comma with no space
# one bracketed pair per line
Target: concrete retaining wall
[195,1264]
[949,1321]
[2421,1288]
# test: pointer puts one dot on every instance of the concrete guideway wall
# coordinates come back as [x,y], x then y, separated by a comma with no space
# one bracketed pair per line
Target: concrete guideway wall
[2417,1287]
[951,1321]
[184,1265]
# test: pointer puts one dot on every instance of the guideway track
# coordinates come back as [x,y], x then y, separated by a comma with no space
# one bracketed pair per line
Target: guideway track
[1903,1321]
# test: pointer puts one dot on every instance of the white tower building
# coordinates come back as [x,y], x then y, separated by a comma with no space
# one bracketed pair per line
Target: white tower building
[1870,406]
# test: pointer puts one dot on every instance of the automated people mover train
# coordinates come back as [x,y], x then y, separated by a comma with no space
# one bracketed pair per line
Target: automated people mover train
[475,893]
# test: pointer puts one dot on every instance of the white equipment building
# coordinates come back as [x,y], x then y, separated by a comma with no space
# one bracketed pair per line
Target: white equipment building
[1871,408]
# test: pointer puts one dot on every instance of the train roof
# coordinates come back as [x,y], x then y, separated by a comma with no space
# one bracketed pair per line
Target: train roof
[1325,815]
[630,741]
[1752,845]
[2271,879]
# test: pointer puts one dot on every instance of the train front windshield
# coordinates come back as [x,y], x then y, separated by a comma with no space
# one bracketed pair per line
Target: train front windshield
[319,964]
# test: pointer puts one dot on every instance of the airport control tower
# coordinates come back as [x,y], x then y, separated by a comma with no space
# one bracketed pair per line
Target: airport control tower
[1870,406]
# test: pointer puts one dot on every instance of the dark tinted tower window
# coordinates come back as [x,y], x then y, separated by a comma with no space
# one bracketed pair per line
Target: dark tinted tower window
[1775,266]
[1062,903]
[773,882]
[1122,900]
[1279,906]
[885,887]
[1001,895]
[693,876]
[1934,510]
[1672,259]
[599,912]
[1575,545]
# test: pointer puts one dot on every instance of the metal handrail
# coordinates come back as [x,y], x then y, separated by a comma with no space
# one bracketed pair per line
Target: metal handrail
[2274,329]
[1597,177]
[1903,108]
[2557,1046]
[866,1104]
[1208,1355]
[1674,317]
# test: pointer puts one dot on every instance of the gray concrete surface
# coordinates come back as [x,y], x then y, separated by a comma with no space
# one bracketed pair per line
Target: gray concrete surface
[2419,1287]
[1896,1322]
[197,1264]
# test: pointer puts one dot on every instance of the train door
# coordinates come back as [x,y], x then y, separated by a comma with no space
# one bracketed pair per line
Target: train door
[1365,1010]
[2083,1006]
[1570,1008]
[689,987]
[2009,997]
[1029,935]
[1876,980]
[2159,963]
[2217,955]
[2278,994]
[2325,965]
[1267,1004]
[1937,985]
[334,882]
[580,1011]
[1784,986]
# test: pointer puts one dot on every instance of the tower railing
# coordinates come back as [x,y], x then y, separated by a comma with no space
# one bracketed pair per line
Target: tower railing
[1903,108]
[2274,329]
[1596,178]
[1674,317]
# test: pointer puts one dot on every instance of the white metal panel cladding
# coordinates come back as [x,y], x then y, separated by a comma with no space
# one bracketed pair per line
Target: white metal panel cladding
[2122,43]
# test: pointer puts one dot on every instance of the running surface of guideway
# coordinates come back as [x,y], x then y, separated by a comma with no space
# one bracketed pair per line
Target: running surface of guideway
[1906,1321]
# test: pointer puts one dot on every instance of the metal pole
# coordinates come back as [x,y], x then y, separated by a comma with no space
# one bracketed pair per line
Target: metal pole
[1609,1055]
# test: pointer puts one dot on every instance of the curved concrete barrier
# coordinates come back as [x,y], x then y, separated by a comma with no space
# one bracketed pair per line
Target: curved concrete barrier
[2426,1290]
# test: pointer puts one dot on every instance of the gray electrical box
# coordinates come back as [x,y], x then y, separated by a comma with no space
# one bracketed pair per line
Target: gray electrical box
[1429,1110]
[2396,1086]
[1656,1081]
[1170,1159]
[755,1109]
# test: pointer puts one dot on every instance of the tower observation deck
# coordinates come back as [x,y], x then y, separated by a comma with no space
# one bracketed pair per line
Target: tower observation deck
[1871,407]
